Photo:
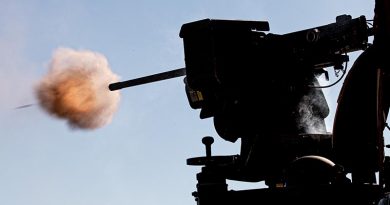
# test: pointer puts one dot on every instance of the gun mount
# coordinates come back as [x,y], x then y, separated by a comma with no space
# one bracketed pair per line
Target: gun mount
[258,87]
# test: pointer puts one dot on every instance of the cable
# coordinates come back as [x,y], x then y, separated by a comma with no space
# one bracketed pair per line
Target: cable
[387,126]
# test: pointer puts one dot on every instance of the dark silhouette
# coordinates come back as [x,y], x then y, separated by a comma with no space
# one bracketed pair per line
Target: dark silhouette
[262,88]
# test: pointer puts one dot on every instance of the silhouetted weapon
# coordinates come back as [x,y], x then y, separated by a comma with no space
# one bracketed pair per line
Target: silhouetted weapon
[252,83]
[300,44]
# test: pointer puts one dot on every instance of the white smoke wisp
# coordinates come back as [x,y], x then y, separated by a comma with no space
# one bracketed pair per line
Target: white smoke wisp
[75,88]
[308,121]
[312,111]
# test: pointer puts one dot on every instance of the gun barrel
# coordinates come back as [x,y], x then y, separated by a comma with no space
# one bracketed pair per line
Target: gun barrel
[148,79]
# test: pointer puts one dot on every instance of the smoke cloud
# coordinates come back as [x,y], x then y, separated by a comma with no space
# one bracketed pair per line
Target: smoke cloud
[75,88]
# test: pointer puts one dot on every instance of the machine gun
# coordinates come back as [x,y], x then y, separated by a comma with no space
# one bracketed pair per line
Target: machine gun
[230,61]
[252,83]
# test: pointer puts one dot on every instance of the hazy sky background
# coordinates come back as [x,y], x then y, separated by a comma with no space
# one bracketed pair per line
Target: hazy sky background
[140,158]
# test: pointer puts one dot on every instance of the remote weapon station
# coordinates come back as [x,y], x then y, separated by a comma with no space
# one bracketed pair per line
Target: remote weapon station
[262,88]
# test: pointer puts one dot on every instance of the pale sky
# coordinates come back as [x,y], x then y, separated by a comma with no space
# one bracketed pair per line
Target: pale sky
[140,157]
